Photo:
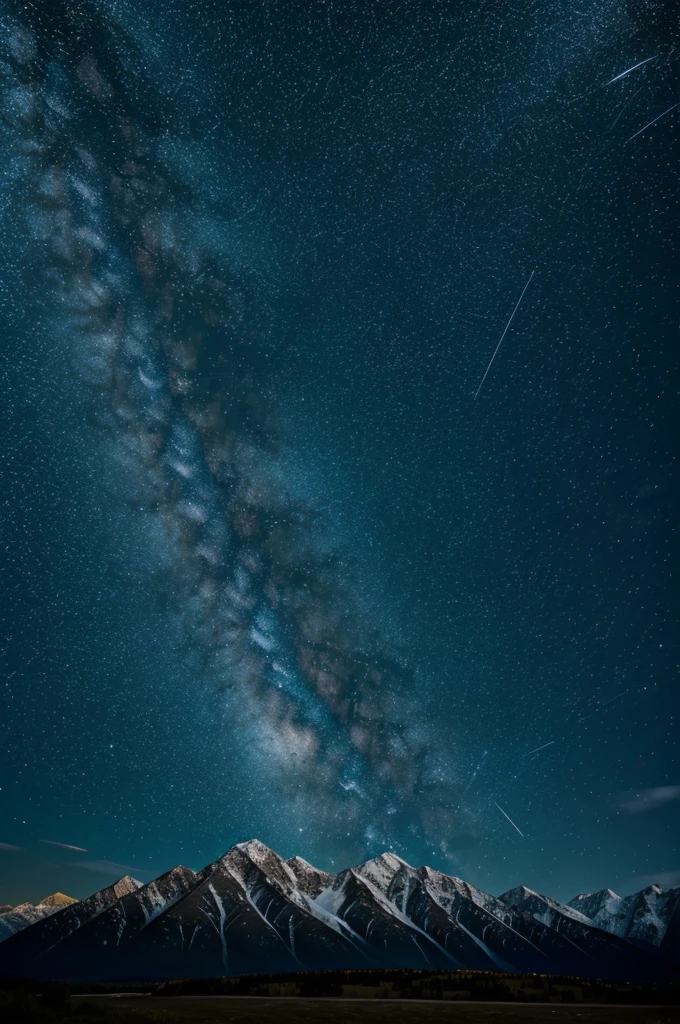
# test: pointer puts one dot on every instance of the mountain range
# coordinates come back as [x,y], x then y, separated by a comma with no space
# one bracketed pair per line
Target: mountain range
[251,911]
[15,919]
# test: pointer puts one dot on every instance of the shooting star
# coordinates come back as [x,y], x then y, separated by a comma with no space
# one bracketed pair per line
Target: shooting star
[549,744]
[658,118]
[505,331]
[510,820]
[624,73]
[64,846]
[475,772]
[598,707]
[616,697]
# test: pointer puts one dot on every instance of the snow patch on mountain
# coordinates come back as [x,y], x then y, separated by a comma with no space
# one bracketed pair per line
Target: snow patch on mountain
[542,908]
[380,871]
[605,908]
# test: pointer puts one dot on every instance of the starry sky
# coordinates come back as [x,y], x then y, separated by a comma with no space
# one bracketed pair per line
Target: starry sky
[339,416]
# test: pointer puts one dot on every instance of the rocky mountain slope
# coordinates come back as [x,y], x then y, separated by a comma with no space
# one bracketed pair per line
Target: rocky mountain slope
[651,916]
[252,911]
[15,919]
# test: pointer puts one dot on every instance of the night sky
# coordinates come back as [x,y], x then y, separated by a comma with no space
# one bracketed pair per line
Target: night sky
[272,562]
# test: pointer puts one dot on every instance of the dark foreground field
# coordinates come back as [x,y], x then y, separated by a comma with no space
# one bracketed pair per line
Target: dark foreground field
[244,1010]
[23,1008]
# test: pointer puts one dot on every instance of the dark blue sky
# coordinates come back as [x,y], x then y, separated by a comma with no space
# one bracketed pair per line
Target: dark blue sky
[271,566]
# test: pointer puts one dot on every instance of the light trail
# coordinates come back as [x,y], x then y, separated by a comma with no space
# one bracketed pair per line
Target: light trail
[504,332]
[634,67]
[510,820]
[644,128]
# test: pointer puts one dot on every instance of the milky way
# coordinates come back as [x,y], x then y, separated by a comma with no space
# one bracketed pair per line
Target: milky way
[178,357]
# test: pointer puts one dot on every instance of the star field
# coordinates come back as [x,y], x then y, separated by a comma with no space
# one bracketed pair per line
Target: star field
[278,559]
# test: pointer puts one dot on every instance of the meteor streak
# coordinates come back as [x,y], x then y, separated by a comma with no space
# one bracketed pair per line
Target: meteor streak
[64,846]
[624,73]
[615,697]
[510,820]
[549,744]
[504,332]
[649,125]
[476,771]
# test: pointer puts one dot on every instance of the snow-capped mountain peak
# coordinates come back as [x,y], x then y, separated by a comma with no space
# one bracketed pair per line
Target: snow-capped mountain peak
[125,885]
[381,871]
[253,862]
[542,908]
[57,900]
[310,880]
[15,919]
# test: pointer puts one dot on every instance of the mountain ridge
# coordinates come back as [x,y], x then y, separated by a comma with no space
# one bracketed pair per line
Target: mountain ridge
[251,911]
[15,919]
